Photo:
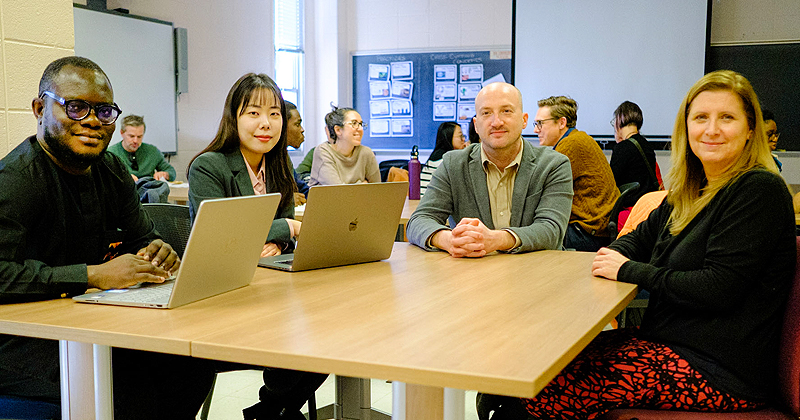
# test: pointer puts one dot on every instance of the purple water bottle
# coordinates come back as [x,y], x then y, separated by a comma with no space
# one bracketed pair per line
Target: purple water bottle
[414,169]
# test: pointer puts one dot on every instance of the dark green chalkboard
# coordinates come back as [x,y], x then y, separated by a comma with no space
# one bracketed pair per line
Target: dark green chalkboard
[774,72]
[424,127]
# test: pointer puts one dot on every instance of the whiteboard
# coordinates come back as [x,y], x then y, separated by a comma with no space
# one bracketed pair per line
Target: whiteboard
[602,53]
[138,57]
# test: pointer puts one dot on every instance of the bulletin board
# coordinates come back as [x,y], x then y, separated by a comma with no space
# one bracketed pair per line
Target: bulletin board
[404,97]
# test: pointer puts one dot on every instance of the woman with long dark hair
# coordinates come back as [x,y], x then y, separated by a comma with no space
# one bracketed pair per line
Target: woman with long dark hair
[248,157]
[448,137]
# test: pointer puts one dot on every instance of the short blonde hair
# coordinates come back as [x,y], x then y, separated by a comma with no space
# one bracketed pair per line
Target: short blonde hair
[689,190]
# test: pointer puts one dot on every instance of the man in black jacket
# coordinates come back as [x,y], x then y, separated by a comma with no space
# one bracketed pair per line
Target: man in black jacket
[70,220]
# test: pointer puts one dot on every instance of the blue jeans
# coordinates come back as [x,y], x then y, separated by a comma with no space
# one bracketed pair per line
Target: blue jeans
[580,240]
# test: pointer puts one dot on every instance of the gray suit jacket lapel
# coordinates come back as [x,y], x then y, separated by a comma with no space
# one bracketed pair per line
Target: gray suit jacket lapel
[523,179]
[479,187]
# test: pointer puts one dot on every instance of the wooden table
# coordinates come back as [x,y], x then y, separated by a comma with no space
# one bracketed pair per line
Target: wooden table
[504,324]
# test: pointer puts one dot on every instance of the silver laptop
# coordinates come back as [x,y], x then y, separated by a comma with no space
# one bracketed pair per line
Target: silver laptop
[221,255]
[345,224]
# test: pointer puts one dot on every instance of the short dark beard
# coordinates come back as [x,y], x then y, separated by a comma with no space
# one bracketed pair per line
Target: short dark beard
[67,156]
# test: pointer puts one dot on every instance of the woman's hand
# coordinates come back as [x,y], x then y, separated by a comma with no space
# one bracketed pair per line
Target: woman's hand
[607,263]
[270,250]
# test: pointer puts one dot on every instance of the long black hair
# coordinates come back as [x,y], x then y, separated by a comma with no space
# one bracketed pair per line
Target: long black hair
[444,139]
[251,88]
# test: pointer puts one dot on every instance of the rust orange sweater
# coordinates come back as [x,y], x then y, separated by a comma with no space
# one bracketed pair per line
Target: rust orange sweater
[592,182]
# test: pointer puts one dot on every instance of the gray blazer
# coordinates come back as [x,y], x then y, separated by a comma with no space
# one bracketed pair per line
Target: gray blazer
[218,175]
[540,206]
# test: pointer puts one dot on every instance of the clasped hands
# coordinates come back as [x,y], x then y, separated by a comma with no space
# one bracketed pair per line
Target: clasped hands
[471,238]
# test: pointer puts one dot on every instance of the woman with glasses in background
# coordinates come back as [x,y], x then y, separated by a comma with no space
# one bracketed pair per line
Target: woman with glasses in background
[448,137]
[344,160]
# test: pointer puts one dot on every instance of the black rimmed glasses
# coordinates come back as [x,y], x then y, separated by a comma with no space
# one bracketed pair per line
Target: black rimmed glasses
[355,124]
[78,109]
[134,162]
[538,123]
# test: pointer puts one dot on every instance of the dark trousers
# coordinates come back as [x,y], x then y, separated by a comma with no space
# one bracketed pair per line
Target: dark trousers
[580,240]
[284,393]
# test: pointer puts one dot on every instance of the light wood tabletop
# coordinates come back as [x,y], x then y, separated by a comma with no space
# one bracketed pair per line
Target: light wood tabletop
[504,324]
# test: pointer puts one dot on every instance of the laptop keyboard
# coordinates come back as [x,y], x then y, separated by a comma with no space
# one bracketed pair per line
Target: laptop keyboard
[159,293]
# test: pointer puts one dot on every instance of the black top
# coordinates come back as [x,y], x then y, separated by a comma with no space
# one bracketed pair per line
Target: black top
[52,224]
[718,288]
[628,165]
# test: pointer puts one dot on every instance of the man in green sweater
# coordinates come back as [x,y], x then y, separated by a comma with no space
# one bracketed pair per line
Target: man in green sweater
[141,159]
[595,191]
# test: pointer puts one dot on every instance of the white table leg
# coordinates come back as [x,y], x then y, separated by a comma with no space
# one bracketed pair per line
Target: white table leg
[85,381]
[454,403]
[398,400]
[103,383]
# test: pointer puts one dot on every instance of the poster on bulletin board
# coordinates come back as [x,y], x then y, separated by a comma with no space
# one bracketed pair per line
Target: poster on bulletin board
[404,97]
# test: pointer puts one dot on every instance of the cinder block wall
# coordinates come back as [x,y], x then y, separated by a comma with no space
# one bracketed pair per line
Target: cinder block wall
[32,34]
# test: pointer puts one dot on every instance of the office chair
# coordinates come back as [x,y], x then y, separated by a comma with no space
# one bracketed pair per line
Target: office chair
[172,221]
[28,409]
[394,163]
[626,192]
[788,372]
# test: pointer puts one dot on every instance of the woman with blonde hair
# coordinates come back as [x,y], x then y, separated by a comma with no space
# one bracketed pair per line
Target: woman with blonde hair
[717,257]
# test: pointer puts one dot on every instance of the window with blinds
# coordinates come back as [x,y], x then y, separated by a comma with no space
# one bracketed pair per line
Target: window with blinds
[289,50]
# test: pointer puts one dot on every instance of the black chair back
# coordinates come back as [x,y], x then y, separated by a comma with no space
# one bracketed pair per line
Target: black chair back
[387,164]
[172,222]
[626,191]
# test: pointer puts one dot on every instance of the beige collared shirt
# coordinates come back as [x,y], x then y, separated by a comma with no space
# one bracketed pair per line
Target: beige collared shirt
[257,179]
[501,191]
[501,188]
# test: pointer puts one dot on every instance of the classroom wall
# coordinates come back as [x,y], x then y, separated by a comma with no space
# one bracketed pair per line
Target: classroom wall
[225,40]
[26,50]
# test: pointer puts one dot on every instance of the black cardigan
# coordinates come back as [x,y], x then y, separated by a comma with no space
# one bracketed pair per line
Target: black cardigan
[718,288]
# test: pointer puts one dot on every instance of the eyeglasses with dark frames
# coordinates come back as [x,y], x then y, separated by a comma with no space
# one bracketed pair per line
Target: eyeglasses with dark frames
[355,124]
[78,109]
[538,123]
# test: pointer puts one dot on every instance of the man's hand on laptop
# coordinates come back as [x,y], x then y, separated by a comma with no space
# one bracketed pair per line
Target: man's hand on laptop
[125,271]
[161,255]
